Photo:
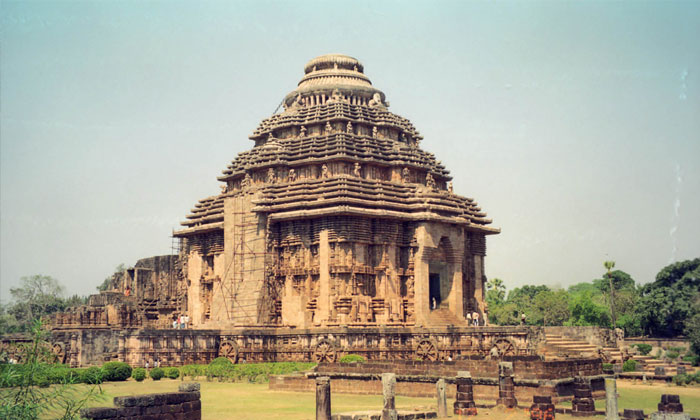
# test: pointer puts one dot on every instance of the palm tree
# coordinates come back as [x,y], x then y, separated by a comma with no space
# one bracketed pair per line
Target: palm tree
[609,265]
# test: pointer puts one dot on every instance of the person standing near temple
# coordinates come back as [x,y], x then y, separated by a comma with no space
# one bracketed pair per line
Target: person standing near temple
[475,317]
[187,320]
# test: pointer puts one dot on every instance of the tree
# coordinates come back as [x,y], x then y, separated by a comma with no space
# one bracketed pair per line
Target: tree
[37,296]
[667,304]
[609,265]
[551,307]
[585,311]
[495,292]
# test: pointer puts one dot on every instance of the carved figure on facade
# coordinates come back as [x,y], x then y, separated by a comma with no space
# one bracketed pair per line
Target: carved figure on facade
[357,170]
[405,175]
[348,128]
[376,100]
[302,131]
[374,131]
[430,181]
[325,173]
[292,175]
[450,187]
[271,176]
[247,181]
[328,128]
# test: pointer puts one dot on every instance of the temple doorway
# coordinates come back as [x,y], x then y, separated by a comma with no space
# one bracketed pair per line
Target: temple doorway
[434,279]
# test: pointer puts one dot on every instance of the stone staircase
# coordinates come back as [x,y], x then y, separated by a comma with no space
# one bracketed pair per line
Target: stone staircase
[649,365]
[557,345]
[443,316]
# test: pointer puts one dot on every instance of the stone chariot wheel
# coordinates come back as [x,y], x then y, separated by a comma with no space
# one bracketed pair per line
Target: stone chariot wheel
[503,347]
[325,352]
[59,352]
[427,350]
[229,349]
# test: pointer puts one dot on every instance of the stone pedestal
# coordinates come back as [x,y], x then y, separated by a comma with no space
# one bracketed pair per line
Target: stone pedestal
[441,398]
[389,391]
[670,403]
[633,414]
[542,408]
[611,399]
[506,386]
[464,402]
[582,405]
[323,398]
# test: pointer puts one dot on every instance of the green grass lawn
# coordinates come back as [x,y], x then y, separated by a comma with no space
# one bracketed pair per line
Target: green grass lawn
[222,400]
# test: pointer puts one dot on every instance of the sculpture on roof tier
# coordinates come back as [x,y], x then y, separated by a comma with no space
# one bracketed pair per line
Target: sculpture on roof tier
[341,236]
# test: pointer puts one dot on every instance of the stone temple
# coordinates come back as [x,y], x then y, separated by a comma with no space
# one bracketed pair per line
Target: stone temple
[335,233]
[335,217]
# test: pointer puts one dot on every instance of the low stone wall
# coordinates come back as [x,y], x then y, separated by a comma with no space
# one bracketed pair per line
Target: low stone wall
[602,337]
[532,377]
[523,367]
[182,405]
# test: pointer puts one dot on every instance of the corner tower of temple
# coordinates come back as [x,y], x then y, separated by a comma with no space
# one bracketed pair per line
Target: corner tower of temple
[336,216]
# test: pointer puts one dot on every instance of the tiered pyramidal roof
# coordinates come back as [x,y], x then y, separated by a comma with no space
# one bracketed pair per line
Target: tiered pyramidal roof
[337,150]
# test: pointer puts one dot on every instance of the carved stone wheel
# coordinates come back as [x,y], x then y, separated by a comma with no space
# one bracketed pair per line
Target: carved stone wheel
[59,352]
[426,350]
[504,347]
[325,352]
[229,349]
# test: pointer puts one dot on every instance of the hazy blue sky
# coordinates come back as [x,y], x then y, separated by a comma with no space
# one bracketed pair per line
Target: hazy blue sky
[576,125]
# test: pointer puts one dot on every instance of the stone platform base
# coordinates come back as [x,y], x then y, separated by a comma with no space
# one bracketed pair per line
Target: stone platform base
[377,415]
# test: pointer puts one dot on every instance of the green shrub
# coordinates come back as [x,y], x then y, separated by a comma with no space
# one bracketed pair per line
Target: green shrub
[696,377]
[643,348]
[156,374]
[221,361]
[607,367]
[116,371]
[172,372]
[139,374]
[677,349]
[92,375]
[193,370]
[352,358]
[672,354]
[681,379]
[630,365]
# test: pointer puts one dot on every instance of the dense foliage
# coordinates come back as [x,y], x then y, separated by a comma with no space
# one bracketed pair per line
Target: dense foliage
[251,372]
[37,297]
[27,394]
[669,306]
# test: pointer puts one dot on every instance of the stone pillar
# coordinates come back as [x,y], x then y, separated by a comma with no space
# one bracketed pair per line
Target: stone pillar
[506,386]
[441,398]
[389,391]
[323,398]
[542,408]
[582,404]
[611,399]
[464,401]
[324,279]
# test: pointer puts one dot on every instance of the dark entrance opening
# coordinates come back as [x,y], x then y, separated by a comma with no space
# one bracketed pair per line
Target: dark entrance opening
[434,289]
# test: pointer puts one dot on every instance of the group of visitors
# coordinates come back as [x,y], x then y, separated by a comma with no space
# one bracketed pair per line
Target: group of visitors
[156,363]
[473,319]
[180,322]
